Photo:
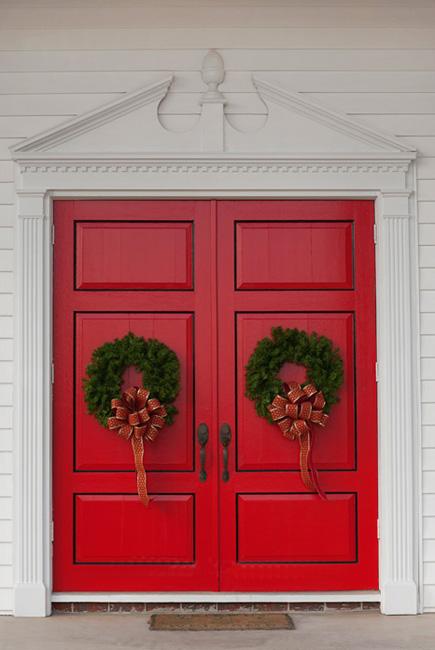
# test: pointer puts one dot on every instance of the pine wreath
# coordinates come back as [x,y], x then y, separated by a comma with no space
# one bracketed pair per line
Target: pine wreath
[321,359]
[295,407]
[158,364]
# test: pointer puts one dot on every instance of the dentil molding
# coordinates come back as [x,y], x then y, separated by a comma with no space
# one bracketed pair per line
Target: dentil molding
[217,166]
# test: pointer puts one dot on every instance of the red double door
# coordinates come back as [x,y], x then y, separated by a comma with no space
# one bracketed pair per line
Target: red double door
[209,279]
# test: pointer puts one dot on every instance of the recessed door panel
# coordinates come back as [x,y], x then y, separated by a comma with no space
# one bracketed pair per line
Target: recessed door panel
[98,449]
[294,255]
[287,528]
[260,445]
[137,255]
[161,534]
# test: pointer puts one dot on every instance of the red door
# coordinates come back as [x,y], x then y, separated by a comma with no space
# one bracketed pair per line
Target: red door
[210,279]
[123,266]
[310,265]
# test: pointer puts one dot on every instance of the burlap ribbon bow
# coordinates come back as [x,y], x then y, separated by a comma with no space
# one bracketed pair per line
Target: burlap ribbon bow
[293,414]
[136,417]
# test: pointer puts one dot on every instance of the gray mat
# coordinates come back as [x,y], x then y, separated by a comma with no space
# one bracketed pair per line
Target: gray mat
[201,622]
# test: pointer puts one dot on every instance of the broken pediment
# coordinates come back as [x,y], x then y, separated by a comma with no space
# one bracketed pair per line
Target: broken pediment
[283,123]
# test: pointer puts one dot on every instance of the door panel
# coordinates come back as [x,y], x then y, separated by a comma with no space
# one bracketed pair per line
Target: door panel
[120,521]
[263,537]
[257,447]
[124,266]
[134,255]
[95,450]
[278,536]
[262,258]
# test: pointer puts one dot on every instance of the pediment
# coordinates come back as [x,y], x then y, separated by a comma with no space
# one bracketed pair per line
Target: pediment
[132,126]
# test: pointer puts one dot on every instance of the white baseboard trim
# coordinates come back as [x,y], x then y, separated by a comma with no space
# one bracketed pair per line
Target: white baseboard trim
[217,597]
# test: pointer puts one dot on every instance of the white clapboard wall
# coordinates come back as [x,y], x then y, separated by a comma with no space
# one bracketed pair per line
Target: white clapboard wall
[380,73]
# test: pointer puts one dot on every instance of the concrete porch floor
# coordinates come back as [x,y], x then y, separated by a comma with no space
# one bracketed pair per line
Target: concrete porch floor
[346,630]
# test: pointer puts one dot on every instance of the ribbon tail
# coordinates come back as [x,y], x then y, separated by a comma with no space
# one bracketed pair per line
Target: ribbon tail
[138,451]
[313,474]
[304,454]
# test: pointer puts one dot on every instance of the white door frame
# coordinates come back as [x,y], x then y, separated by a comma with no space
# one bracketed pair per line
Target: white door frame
[62,163]
[398,370]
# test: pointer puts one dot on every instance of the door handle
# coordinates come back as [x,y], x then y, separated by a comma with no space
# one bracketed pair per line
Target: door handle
[225,436]
[202,439]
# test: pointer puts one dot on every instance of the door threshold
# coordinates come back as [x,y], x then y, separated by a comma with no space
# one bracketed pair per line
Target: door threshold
[217,597]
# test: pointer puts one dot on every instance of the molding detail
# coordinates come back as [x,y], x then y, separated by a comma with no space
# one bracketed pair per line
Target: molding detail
[332,119]
[33,407]
[218,166]
[397,421]
[293,121]
[213,74]
[95,118]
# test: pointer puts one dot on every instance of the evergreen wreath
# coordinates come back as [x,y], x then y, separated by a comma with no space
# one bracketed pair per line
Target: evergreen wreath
[158,364]
[321,359]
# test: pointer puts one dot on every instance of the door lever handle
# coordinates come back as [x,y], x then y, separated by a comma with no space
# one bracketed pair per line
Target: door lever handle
[202,439]
[225,436]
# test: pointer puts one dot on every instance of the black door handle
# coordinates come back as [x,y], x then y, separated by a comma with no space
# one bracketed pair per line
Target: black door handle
[202,439]
[225,436]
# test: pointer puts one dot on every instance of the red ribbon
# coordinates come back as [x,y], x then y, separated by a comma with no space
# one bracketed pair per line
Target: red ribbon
[136,417]
[293,414]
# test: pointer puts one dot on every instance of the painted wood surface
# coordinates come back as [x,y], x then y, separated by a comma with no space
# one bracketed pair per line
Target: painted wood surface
[106,540]
[102,528]
[262,503]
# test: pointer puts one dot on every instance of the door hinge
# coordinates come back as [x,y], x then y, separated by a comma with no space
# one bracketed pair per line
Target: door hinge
[375,233]
[52,373]
[377,371]
[378,529]
[52,531]
[52,234]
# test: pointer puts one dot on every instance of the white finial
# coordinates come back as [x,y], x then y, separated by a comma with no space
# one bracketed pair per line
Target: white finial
[213,73]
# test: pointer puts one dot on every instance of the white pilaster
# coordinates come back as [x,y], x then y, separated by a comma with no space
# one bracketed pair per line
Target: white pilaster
[212,102]
[32,440]
[397,424]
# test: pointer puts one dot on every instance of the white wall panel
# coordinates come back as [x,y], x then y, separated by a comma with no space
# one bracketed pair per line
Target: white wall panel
[6,374]
[6,326]
[427,260]
[6,394]
[228,37]
[5,554]
[5,600]
[427,323]
[6,284]
[235,59]
[5,436]
[428,433]
[6,508]
[429,505]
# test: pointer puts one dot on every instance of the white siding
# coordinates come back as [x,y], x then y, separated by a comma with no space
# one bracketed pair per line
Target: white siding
[341,57]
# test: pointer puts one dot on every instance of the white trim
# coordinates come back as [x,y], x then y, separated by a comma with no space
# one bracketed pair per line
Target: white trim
[334,120]
[219,597]
[388,177]
[87,121]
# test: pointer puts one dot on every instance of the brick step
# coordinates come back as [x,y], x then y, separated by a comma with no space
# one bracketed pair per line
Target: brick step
[321,607]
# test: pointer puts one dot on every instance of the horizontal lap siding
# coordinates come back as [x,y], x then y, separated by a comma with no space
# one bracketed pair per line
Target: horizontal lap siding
[6,370]
[388,89]
[426,191]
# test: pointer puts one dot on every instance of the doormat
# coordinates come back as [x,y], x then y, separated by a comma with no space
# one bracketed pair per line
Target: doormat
[205,622]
